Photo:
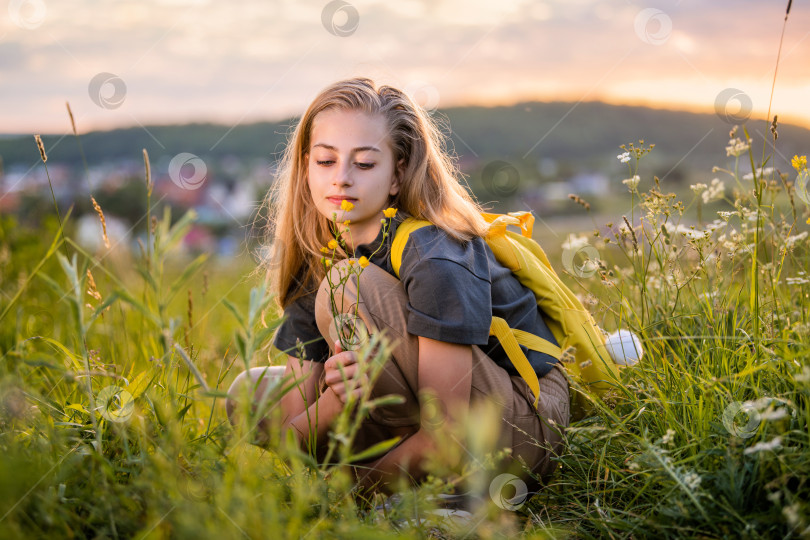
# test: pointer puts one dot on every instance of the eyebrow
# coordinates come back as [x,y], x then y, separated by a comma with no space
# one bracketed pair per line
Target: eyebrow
[354,150]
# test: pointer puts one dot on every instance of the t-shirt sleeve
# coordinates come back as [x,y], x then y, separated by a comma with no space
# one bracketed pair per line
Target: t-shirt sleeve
[299,322]
[448,287]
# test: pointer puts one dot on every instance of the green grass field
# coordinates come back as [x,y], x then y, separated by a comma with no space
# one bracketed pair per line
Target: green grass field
[112,421]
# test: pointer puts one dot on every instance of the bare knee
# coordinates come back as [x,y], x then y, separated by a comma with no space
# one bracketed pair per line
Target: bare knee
[257,383]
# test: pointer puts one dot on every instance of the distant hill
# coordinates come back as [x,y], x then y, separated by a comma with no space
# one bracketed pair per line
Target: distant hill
[577,137]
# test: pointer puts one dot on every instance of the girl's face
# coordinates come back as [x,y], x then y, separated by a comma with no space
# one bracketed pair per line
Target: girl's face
[350,158]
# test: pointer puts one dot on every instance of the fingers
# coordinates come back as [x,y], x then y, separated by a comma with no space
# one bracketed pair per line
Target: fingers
[344,358]
[353,389]
[334,375]
[342,374]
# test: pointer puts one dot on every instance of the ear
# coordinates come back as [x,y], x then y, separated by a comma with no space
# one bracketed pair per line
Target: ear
[399,173]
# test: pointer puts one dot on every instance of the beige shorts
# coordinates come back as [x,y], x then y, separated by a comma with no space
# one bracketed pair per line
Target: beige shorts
[532,434]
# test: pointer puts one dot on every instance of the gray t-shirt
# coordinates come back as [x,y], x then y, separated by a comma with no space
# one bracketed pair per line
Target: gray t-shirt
[454,289]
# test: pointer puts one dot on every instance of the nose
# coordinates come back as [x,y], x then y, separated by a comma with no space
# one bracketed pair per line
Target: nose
[344,174]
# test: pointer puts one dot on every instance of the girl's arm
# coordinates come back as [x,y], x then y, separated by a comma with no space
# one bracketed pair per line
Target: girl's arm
[298,399]
[308,412]
[445,370]
[304,411]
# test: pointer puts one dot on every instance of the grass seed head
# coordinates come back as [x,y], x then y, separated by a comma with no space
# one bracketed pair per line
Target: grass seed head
[72,121]
[41,147]
[148,171]
[100,213]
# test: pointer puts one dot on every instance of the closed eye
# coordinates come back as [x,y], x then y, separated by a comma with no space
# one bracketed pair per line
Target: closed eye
[362,166]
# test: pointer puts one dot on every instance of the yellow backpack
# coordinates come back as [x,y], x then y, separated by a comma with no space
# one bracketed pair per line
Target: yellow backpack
[570,323]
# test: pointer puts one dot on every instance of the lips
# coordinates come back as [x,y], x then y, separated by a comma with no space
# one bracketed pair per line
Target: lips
[339,199]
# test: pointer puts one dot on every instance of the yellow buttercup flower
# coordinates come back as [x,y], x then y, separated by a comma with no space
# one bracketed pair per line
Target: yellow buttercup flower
[332,244]
[390,212]
[808,221]
[799,163]
[346,223]
[345,205]
[327,262]
[363,262]
[324,250]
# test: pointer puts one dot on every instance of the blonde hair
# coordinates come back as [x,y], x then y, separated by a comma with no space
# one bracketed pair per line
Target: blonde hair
[429,185]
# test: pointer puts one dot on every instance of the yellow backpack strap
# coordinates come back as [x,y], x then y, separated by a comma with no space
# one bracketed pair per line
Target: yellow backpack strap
[500,329]
[498,222]
[536,343]
[404,231]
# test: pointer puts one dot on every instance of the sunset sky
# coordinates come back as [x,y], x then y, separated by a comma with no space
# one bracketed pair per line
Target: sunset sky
[140,62]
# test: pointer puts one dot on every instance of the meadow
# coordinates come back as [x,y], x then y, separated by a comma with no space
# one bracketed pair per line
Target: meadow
[114,369]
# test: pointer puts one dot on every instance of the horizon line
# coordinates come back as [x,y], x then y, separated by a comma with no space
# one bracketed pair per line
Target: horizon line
[801,121]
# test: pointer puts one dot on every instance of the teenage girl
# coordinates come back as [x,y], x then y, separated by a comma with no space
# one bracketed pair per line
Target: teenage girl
[373,147]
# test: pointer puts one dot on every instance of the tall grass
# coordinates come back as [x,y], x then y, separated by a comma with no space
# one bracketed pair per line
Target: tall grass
[110,428]
[709,435]
[113,368]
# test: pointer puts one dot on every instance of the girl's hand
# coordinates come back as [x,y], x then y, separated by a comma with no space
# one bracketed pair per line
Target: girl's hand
[355,382]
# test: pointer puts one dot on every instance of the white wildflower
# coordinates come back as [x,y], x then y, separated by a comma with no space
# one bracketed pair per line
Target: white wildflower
[796,281]
[771,445]
[746,213]
[793,239]
[725,216]
[632,182]
[692,480]
[775,414]
[624,158]
[715,225]
[792,514]
[690,232]
[717,190]
[575,243]
[761,173]
[668,436]
[736,147]
[698,188]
